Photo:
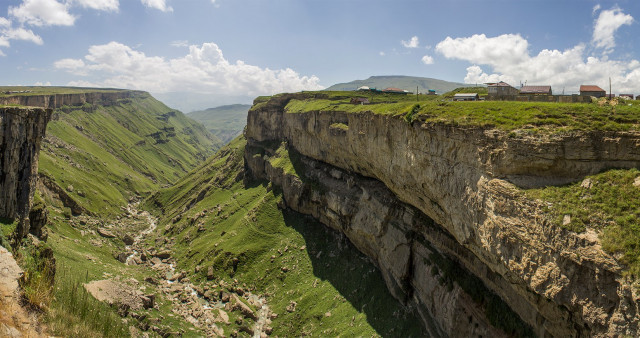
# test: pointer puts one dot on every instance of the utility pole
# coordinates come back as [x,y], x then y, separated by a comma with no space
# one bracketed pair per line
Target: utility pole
[610,89]
[417,97]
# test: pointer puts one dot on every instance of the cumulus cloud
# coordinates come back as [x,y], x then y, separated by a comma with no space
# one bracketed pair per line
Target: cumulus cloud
[427,60]
[412,43]
[8,33]
[506,48]
[75,66]
[608,22]
[158,4]
[22,34]
[510,60]
[102,5]
[203,70]
[43,13]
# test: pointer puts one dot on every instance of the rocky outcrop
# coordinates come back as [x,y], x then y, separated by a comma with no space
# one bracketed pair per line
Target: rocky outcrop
[55,101]
[21,132]
[461,180]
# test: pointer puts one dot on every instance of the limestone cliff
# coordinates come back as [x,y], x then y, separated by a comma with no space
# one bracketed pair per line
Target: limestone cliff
[55,101]
[423,200]
[21,131]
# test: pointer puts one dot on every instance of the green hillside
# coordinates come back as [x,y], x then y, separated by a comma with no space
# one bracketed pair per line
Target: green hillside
[224,122]
[218,220]
[103,155]
[403,82]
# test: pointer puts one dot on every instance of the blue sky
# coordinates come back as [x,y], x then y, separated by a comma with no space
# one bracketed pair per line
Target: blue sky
[199,53]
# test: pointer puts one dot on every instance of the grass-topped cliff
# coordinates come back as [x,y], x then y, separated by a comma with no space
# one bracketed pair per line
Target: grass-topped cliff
[527,117]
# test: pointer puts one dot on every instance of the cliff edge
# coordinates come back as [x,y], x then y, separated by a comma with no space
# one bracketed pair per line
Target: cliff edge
[439,208]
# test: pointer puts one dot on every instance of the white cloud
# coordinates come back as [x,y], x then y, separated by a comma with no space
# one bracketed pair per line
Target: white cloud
[507,48]
[22,34]
[180,43]
[102,5]
[42,84]
[412,43]
[510,61]
[382,53]
[4,22]
[606,25]
[203,70]
[427,60]
[43,13]
[158,4]
[595,9]
[75,66]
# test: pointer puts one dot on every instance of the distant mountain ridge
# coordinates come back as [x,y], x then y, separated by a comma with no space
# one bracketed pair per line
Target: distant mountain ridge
[225,122]
[403,82]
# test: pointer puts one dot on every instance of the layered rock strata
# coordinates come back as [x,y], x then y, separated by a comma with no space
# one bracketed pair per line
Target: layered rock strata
[21,132]
[55,101]
[462,178]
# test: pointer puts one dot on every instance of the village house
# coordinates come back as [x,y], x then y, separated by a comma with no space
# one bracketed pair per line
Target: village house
[466,97]
[431,92]
[535,90]
[500,89]
[592,90]
[626,96]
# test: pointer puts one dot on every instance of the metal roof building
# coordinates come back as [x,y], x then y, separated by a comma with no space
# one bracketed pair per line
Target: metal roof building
[466,97]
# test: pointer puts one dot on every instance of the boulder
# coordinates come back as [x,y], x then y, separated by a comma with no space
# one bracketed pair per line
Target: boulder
[128,240]
[105,233]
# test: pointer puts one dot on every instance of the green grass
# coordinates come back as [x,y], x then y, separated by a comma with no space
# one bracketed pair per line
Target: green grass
[337,289]
[611,207]
[340,126]
[75,313]
[528,117]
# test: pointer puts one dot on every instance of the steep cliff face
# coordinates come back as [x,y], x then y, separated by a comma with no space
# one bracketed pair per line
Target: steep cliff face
[457,185]
[55,101]
[21,131]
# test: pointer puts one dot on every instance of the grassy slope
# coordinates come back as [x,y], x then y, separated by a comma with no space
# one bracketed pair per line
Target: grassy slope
[338,291]
[225,122]
[403,82]
[611,206]
[109,154]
